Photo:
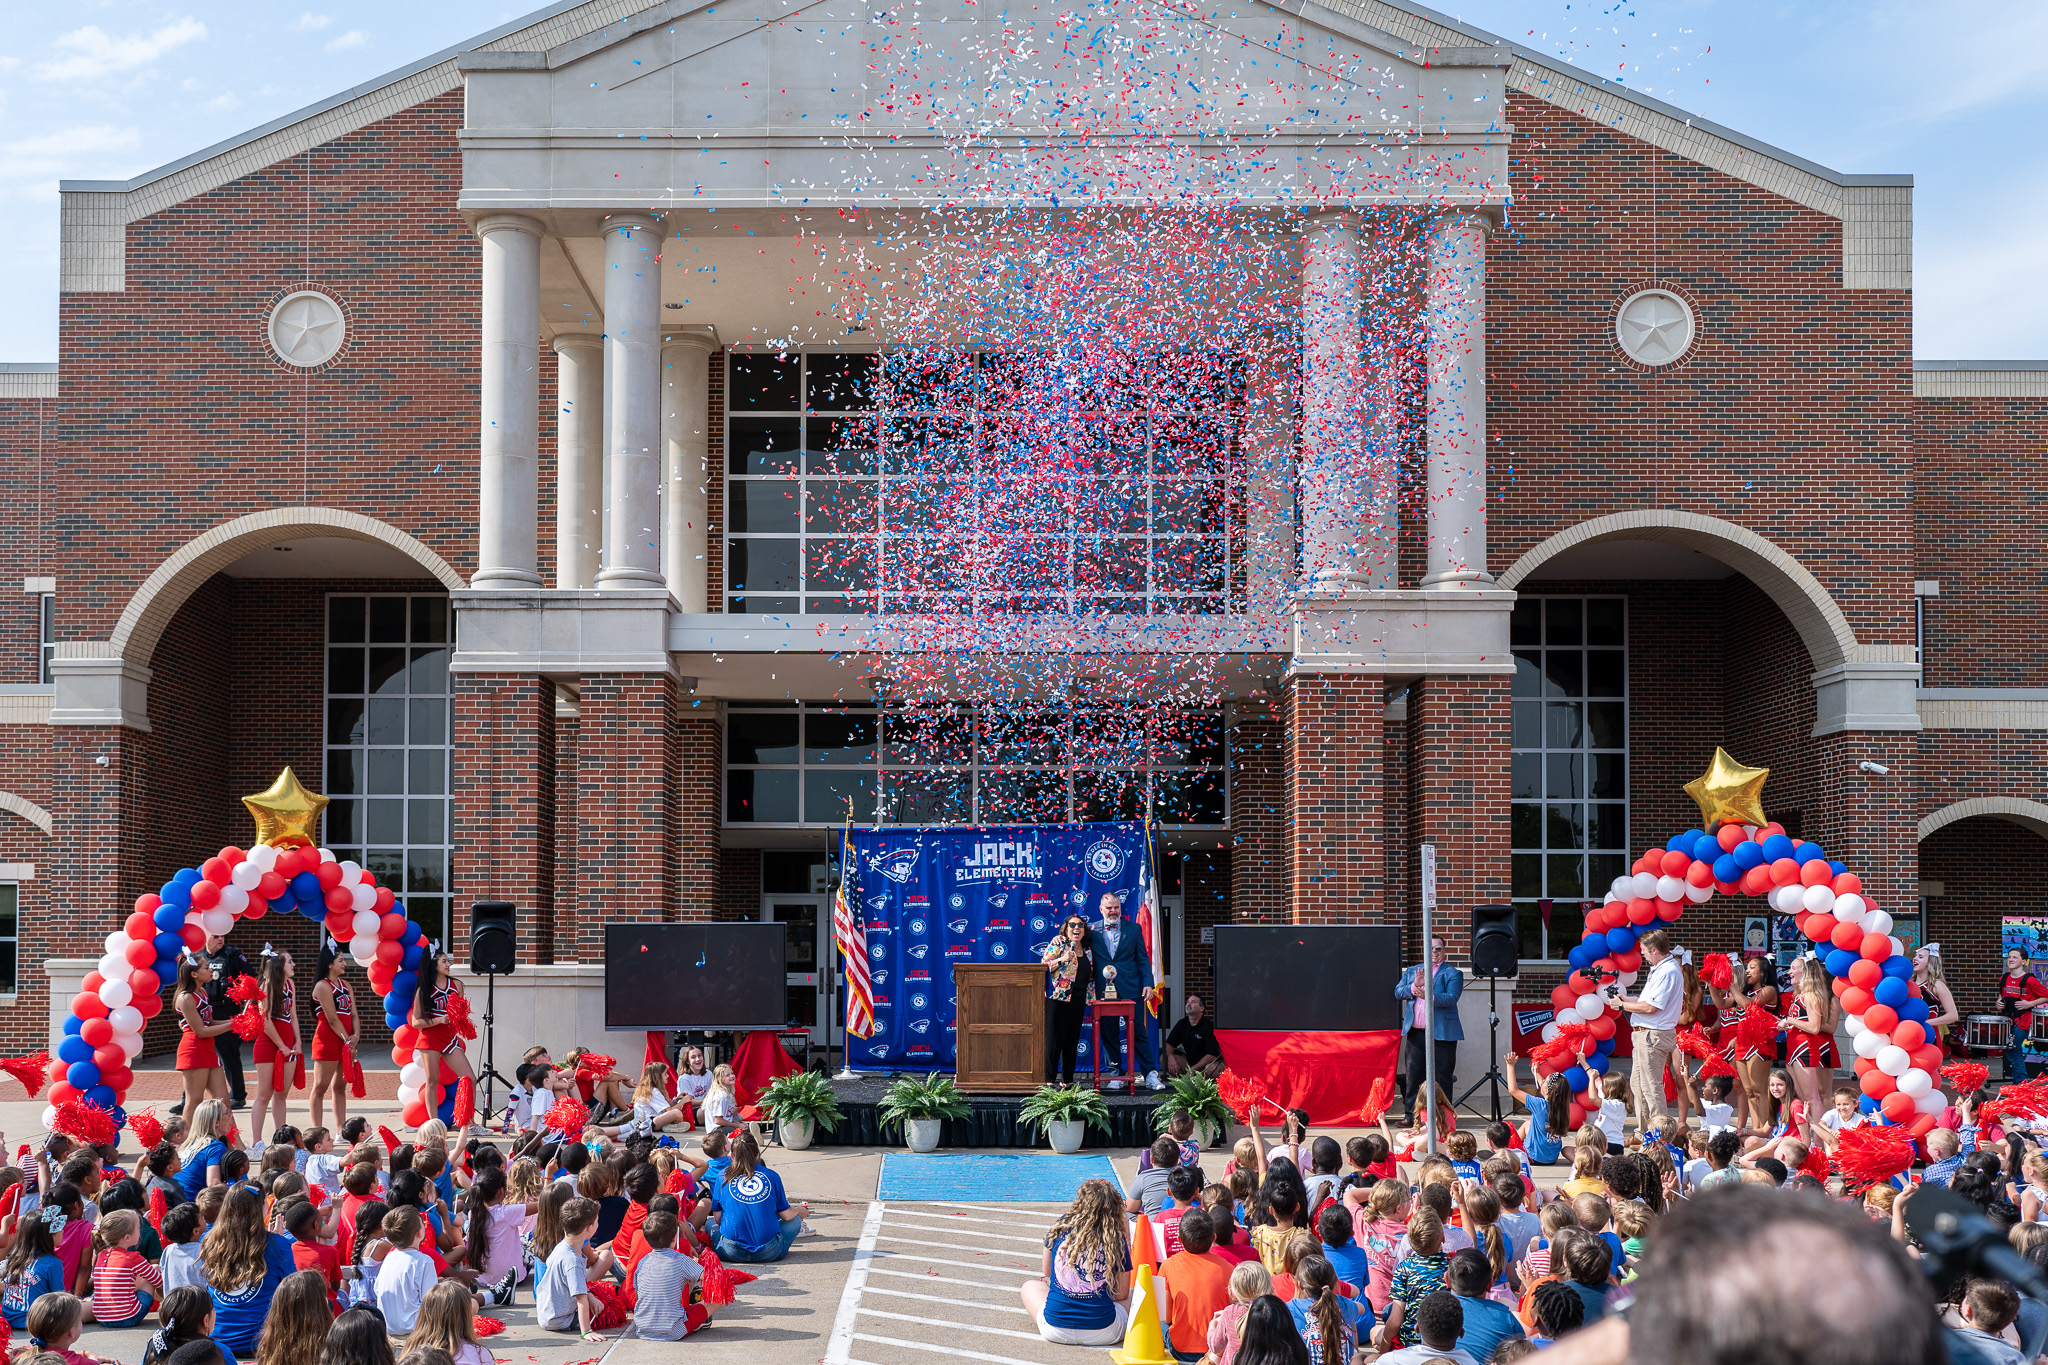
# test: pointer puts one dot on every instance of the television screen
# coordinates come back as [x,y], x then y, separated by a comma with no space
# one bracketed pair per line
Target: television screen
[1298,977]
[701,976]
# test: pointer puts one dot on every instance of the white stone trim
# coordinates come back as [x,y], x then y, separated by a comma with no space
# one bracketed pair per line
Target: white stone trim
[1984,708]
[2031,814]
[28,380]
[150,611]
[1829,637]
[17,872]
[30,706]
[1980,379]
[31,812]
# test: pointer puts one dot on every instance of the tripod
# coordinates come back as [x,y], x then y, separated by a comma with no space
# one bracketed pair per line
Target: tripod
[1493,1079]
[490,1046]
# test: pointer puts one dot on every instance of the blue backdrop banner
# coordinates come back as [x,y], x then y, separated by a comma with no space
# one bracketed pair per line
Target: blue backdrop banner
[933,897]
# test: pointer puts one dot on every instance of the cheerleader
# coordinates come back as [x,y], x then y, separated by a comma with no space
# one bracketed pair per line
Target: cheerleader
[278,1041]
[442,1046]
[335,1032]
[1810,1034]
[1749,1030]
[198,1059]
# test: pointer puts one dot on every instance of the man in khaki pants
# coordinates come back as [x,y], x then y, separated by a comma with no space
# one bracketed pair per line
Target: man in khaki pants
[1655,1034]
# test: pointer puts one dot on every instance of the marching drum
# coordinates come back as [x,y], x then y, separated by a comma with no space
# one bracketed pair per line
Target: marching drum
[1985,1032]
[2037,1030]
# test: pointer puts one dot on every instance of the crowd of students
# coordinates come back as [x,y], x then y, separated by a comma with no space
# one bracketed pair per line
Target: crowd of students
[345,1247]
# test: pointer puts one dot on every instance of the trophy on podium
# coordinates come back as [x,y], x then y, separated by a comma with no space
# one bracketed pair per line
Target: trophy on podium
[1109,983]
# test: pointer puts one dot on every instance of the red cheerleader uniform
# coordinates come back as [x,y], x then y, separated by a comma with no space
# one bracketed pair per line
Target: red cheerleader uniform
[1810,1049]
[194,1052]
[441,1037]
[329,1046]
[266,1051]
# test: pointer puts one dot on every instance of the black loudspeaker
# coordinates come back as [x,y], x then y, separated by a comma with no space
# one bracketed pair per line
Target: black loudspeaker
[1496,951]
[492,944]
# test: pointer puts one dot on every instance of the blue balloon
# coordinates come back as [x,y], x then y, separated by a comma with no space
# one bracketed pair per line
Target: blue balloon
[1578,958]
[1726,869]
[1891,991]
[1681,843]
[1916,1010]
[1899,965]
[1706,849]
[412,932]
[1576,1078]
[1807,852]
[1839,961]
[1621,938]
[101,1095]
[403,984]
[166,969]
[1867,1105]
[1605,1047]
[411,961]
[185,876]
[1595,943]
[1749,854]
[1837,867]
[306,886]
[169,918]
[83,1075]
[74,1049]
[72,1024]
[120,1118]
[1596,1062]
[1776,847]
[173,894]
[394,1021]
[169,945]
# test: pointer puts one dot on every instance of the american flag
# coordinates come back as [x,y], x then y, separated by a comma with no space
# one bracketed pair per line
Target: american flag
[850,931]
[1149,922]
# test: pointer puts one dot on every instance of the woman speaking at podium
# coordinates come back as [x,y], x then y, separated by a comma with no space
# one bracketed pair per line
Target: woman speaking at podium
[1070,967]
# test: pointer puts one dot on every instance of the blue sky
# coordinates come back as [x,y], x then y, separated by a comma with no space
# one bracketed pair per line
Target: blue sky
[1951,93]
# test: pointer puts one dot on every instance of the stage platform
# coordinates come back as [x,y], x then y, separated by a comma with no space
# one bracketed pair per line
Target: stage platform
[992,1121]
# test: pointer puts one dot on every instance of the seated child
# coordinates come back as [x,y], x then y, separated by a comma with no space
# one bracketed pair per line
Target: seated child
[665,1304]
[1500,1141]
[1716,1112]
[562,1298]
[1183,1186]
[1463,1149]
[1613,1110]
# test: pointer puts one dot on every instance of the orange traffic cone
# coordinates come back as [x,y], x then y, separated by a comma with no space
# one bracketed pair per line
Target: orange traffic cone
[1143,1342]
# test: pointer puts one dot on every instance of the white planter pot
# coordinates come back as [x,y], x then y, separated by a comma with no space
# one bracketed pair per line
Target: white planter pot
[922,1135]
[794,1133]
[1065,1135]
[1209,1134]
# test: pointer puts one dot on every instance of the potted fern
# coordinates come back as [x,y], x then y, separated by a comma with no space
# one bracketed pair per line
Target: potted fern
[1198,1097]
[917,1104]
[801,1103]
[1065,1112]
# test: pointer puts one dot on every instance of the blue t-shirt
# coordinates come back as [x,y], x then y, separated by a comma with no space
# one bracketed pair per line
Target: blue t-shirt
[238,1318]
[749,1209]
[444,1185]
[1620,1256]
[1466,1170]
[1487,1325]
[1541,1144]
[46,1276]
[1349,1262]
[1079,1311]
[1358,1320]
[715,1172]
[191,1176]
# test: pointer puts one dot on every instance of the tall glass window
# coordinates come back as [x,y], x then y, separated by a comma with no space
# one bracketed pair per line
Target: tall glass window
[819,765]
[1570,763]
[387,745]
[952,492]
[46,618]
[10,934]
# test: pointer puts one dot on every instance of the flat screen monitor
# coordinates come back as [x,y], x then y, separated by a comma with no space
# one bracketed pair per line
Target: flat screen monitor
[1299,978]
[696,976]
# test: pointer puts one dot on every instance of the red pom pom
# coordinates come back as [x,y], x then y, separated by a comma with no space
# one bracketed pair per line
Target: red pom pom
[88,1123]
[1967,1077]
[249,1023]
[719,1282]
[2025,1099]
[1717,971]
[458,1014]
[147,1127]
[567,1118]
[1871,1154]
[246,989]
[1377,1098]
[488,1327]
[595,1066]
[1240,1094]
[465,1102]
[32,1071]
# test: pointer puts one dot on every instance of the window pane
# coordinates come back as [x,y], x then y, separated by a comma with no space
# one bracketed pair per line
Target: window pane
[757,797]
[430,721]
[839,383]
[1189,798]
[428,772]
[764,445]
[1605,728]
[10,904]
[1110,739]
[1604,621]
[1525,627]
[387,670]
[1567,926]
[345,720]
[387,771]
[1563,621]
[763,565]
[430,671]
[1106,565]
[430,620]
[926,798]
[839,739]
[341,824]
[1562,673]
[1109,796]
[1565,874]
[1528,673]
[840,565]
[343,771]
[1528,777]
[1529,930]
[1528,725]
[387,720]
[841,506]
[1564,826]
[841,445]
[386,821]
[388,864]
[1565,775]
[1034,797]
[757,737]
[1188,739]
[839,796]
[1608,827]
[1603,868]
[1528,825]
[1528,875]
[1562,728]
[1605,676]
[1029,738]
[387,620]
[347,619]
[1610,776]
[429,821]
[758,605]
[763,382]
[344,670]
[929,737]
[426,869]
[8,955]
[1187,566]
[764,505]
[430,913]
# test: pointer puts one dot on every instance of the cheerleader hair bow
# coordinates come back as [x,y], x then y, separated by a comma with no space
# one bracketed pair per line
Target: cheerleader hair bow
[54,1219]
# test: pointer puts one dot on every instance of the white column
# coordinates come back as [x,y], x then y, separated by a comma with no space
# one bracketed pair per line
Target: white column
[579,458]
[686,464]
[508,488]
[1454,301]
[632,340]
[1333,430]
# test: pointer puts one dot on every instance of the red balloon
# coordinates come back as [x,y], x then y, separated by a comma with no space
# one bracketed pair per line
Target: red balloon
[386,898]
[194,936]
[337,897]
[1674,863]
[1865,974]
[1767,831]
[140,926]
[1876,1084]
[88,1007]
[205,895]
[107,1057]
[143,981]
[56,1072]
[1863,1065]
[271,887]
[1846,883]
[1600,1029]
[391,926]
[61,1093]
[289,864]
[1669,911]
[380,978]
[329,874]
[1561,997]
[1641,912]
[1855,1000]
[1838,985]
[233,856]
[92,983]
[1927,1057]
[1604,966]
[1877,947]
[1907,1033]
[1728,836]
[1815,871]
[1578,1114]
[1920,1125]
[146,904]
[1821,928]
[406,1036]
[1897,1106]
[1627,960]
[390,952]
[1652,860]
[341,924]
[1756,881]
[219,871]
[1700,874]
[401,1055]
[1882,1018]
[1784,872]
[96,1032]
[1725,888]
[1845,934]
[141,953]
[117,1078]
[151,1005]
[258,908]
[1578,983]
[415,1114]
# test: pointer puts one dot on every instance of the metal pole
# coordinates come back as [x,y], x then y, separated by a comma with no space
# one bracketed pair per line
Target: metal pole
[1428,970]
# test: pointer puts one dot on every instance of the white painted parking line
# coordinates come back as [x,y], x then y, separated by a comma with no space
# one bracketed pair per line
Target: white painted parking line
[1010,1288]
[872,1290]
[959,1246]
[943,1227]
[948,1323]
[841,1344]
[964,1265]
[954,1351]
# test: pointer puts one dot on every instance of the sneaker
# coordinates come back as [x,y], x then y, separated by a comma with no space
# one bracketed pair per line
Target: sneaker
[502,1290]
[1152,1081]
[1114,1083]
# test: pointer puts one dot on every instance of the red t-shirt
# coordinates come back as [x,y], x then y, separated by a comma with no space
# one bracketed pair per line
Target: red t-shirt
[325,1259]
[350,1203]
[2012,994]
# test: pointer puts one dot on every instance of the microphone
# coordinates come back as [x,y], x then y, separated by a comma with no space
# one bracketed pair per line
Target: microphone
[1956,1239]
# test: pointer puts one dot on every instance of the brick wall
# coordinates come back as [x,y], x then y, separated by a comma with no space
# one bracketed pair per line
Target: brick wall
[626,841]
[1258,829]
[504,791]
[1458,733]
[1978,497]
[1333,797]
[25,429]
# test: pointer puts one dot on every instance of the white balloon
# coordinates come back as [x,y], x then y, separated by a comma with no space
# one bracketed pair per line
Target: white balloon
[1818,899]
[233,899]
[245,875]
[1628,978]
[1550,1031]
[1642,886]
[117,944]
[49,1117]
[1671,888]
[407,1094]
[1898,945]
[1853,1023]
[131,1043]
[1916,1082]
[1850,907]
[1622,888]
[116,993]
[1893,1061]
[126,1019]
[363,950]
[351,870]
[1567,1015]
[1779,899]
[264,856]
[412,1074]
[217,921]
[1876,922]
[1933,1102]
[1869,1043]
[326,854]
[1590,1006]
[363,898]
[365,921]
[1698,895]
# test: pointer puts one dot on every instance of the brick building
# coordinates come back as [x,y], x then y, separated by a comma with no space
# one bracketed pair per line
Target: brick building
[414,440]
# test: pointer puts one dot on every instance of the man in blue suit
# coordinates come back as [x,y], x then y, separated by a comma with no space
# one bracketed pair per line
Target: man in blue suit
[1444,1033]
[1119,947]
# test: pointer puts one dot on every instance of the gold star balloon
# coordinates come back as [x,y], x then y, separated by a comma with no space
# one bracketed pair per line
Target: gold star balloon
[1727,791]
[286,813]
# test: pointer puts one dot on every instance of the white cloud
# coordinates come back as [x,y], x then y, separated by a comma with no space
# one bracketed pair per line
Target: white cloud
[227,99]
[70,142]
[9,63]
[33,165]
[354,38]
[310,21]
[91,52]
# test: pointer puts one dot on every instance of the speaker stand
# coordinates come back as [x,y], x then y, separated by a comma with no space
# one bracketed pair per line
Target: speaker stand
[1493,1079]
[490,1046]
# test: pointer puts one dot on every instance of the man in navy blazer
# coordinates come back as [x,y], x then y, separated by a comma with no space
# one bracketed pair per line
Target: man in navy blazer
[1448,983]
[1116,943]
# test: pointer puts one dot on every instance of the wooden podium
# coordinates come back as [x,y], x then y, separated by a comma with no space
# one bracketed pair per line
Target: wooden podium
[999,1043]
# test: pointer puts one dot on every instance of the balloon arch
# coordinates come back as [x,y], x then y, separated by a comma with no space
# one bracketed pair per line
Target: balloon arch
[1897,1061]
[281,872]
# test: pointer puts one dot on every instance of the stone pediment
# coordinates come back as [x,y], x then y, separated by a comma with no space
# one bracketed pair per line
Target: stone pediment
[820,102]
